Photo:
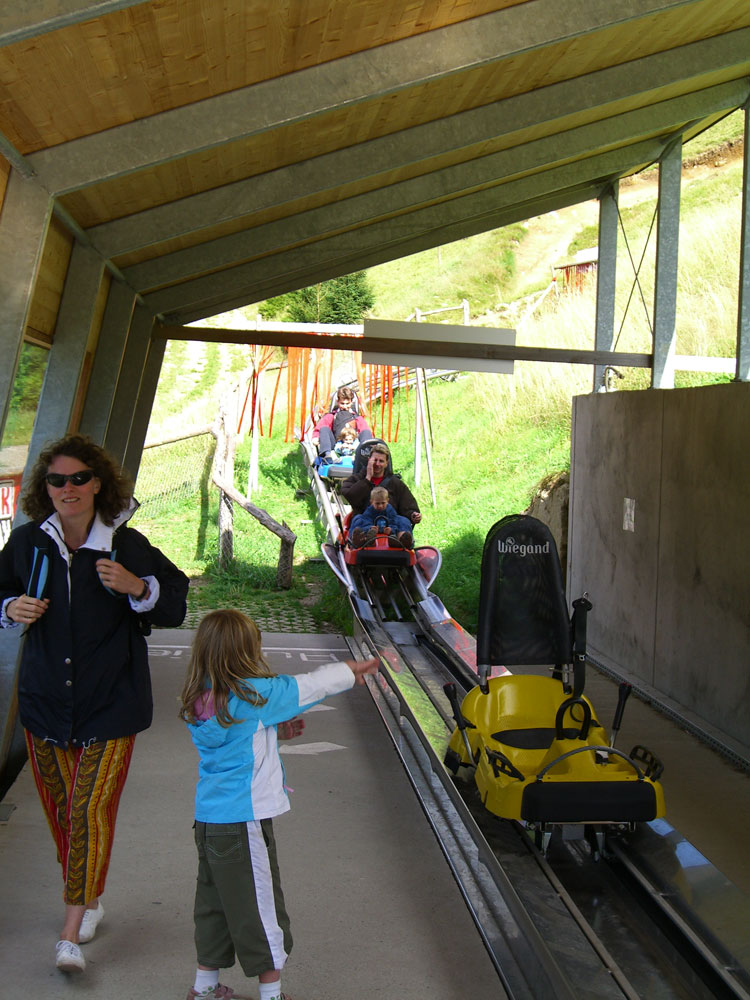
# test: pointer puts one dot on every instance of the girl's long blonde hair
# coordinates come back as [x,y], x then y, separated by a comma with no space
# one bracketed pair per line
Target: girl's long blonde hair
[226,652]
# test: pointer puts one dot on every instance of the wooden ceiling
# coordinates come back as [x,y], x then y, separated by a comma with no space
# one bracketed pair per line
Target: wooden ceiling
[217,152]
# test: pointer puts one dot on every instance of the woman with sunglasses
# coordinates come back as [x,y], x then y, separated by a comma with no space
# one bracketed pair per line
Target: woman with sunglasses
[86,588]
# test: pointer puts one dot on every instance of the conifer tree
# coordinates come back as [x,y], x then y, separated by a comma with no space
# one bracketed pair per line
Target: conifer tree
[339,300]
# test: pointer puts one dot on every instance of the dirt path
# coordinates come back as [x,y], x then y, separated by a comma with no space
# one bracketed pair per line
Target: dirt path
[549,236]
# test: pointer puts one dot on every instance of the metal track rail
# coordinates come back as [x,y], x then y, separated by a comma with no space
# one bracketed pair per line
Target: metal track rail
[524,965]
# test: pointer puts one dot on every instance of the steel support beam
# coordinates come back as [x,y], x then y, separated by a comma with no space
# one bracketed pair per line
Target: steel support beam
[129,383]
[743,312]
[72,330]
[31,18]
[567,152]
[12,155]
[24,219]
[395,346]
[566,100]
[606,276]
[144,405]
[110,348]
[665,281]
[311,229]
[307,94]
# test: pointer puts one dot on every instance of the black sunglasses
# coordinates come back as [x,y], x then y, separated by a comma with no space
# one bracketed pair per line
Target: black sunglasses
[57,479]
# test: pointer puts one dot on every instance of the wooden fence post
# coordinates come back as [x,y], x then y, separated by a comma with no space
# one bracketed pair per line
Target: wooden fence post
[225,450]
[286,558]
[282,531]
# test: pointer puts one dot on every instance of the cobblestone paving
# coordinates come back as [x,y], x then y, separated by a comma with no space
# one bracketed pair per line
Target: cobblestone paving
[290,619]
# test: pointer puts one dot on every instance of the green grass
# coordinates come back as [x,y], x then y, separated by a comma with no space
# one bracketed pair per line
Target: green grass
[187,530]
[478,269]
[486,464]
[27,387]
[496,437]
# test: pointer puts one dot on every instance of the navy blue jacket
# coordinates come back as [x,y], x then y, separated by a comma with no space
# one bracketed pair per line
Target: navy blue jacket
[84,671]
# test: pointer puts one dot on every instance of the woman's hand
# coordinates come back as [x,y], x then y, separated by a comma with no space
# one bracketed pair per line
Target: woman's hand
[288,730]
[26,610]
[117,578]
[415,517]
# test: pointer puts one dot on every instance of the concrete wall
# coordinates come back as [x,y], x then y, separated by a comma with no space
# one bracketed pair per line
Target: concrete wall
[670,583]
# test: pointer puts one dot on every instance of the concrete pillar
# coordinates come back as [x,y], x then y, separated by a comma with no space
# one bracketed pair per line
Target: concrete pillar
[110,349]
[72,330]
[24,219]
[128,383]
[743,313]
[665,282]
[144,405]
[606,274]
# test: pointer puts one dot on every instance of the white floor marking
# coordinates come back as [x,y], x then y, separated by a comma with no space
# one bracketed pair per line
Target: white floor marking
[310,749]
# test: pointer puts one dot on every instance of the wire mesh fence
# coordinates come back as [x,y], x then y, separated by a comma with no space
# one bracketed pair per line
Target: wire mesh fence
[179,512]
[174,471]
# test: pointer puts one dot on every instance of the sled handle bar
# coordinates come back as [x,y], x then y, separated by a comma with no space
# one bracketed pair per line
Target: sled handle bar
[607,750]
[569,703]
[452,696]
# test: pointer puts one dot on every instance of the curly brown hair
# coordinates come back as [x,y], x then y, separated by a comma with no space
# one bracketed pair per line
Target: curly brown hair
[116,484]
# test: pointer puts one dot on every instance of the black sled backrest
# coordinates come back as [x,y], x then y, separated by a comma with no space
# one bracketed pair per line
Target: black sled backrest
[523,615]
[362,455]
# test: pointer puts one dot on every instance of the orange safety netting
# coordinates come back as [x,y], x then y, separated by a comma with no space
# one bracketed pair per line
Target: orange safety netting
[310,386]
[260,358]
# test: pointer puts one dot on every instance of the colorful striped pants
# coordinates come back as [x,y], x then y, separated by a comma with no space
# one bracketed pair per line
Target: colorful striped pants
[80,789]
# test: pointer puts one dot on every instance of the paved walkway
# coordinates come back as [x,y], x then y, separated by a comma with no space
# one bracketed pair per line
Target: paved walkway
[286,618]
[374,909]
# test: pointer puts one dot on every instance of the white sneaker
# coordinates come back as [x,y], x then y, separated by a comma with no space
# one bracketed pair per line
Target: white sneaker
[91,920]
[69,957]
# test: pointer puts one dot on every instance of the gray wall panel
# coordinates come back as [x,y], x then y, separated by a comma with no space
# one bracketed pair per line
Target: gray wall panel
[671,598]
[617,456]
[702,655]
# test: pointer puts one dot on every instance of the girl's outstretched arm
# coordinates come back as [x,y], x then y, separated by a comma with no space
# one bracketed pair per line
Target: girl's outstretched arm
[285,696]
[295,727]
[361,667]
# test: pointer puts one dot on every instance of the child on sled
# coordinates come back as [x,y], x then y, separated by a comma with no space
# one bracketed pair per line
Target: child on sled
[346,444]
[380,517]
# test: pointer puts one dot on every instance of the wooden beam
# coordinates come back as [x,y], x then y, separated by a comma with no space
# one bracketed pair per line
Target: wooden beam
[283,531]
[37,337]
[379,73]
[385,345]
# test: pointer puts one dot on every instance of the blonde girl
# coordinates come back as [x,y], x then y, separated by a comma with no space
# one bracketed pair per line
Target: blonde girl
[236,709]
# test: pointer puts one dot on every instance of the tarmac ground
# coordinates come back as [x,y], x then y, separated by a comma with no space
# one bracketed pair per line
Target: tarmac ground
[374,909]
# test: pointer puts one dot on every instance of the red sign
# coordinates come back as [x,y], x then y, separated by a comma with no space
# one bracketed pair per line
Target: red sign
[9,496]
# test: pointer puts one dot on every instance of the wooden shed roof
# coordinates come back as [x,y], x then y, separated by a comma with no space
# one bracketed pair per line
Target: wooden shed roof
[217,152]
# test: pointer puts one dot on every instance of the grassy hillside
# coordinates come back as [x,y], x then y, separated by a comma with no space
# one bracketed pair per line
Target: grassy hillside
[495,437]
